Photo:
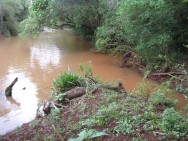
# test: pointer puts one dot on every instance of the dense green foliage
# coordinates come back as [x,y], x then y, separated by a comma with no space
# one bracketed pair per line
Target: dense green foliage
[12,12]
[156,30]
[84,16]
[41,14]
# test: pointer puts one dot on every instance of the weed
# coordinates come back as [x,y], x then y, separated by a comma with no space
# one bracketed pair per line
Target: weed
[50,138]
[57,129]
[150,107]
[159,98]
[86,70]
[37,137]
[164,88]
[87,135]
[138,139]
[144,88]
[173,123]
[67,81]
[90,96]
[55,115]
[124,126]
[33,124]
[61,97]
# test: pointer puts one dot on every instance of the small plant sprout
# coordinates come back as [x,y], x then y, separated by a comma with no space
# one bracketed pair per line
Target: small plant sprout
[87,135]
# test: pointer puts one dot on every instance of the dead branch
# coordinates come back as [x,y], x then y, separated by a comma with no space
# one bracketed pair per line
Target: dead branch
[167,73]
[8,90]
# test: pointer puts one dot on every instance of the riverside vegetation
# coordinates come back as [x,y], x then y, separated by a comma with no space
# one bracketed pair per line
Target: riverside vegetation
[154,32]
[107,114]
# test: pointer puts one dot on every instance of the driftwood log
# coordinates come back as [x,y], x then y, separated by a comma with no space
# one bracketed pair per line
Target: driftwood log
[8,90]
[75,92]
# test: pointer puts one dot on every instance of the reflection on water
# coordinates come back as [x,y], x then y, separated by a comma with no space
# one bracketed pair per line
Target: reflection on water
[37,62]
[45,56]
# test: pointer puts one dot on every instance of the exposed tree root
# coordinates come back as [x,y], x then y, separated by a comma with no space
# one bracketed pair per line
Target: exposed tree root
[131,59]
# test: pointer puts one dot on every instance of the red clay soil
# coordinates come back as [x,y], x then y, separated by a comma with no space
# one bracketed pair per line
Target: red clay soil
[46,127]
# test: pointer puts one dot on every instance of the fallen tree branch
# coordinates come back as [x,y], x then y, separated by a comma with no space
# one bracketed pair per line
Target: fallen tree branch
[168,73]
[8,90]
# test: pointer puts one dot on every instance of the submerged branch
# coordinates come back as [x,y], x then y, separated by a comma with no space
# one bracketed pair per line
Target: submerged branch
[8,90]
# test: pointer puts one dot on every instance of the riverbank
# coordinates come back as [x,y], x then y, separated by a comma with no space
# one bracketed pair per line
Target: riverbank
[101,63]
[176,76]
[103,113]
[38,62]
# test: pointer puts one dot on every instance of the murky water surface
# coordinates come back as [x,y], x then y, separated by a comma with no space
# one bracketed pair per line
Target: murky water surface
[37,62]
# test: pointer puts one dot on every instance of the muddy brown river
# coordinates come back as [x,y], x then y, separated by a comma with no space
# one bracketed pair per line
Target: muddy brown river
[38,61]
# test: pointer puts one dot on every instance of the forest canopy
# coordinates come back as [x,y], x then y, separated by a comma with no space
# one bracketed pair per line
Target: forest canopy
[12,12]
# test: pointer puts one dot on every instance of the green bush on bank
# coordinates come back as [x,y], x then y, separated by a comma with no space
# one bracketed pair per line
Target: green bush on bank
[155,29]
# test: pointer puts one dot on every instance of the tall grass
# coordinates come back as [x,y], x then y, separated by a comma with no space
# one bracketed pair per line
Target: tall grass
[67,81]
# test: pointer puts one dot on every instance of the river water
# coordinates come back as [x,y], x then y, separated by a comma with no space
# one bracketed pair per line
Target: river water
[36,62]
